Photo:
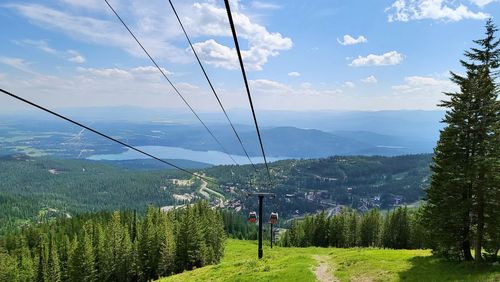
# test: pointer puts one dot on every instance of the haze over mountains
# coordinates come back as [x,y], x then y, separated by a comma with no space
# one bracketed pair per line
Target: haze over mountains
[285,134]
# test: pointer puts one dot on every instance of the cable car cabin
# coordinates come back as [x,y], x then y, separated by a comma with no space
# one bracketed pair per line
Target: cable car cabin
[274,218]
[252,217]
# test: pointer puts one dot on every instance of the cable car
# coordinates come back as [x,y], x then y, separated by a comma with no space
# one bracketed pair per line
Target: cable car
[252,217]
[274,218]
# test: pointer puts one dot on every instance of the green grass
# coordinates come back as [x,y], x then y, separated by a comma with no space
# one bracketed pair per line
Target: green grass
[357,264]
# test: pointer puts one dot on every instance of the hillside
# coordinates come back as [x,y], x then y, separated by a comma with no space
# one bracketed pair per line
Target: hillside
[30,185]
[332,264]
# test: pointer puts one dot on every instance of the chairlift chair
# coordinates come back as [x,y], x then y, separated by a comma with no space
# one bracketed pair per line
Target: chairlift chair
[274,218]
[252,217]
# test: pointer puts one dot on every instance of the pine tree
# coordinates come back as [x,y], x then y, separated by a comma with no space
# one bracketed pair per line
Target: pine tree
[43,260]
[168,248]
[26,265]
[54,269]
[459,207]
[81,259]
[370,228]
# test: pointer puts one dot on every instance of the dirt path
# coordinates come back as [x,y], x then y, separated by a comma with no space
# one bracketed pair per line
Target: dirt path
[321,271]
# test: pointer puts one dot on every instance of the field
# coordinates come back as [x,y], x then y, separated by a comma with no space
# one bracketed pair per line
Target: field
[331,264]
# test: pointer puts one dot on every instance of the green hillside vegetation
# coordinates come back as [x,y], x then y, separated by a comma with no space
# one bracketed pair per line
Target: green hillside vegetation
[240,263]
[30,185]
[116,246]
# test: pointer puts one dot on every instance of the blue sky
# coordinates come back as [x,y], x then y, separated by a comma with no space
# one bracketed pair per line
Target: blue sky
[300,55]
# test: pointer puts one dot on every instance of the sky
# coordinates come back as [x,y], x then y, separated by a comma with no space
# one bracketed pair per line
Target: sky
[316,55]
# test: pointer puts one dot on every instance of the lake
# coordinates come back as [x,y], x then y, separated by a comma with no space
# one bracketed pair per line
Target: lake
[165,152]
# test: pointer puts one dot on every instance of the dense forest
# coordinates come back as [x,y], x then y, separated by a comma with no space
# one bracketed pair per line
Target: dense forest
[32,188]
[114,246]
[397,229]
[373,182]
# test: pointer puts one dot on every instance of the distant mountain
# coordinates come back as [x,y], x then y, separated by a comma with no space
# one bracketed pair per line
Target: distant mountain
[407,123]
[285,134]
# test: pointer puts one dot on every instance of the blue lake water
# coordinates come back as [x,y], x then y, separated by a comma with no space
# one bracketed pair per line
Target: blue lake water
[165,152]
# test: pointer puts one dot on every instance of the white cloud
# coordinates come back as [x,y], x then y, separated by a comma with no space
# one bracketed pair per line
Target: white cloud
[17,63]
[89,4]
[137,73]
[75,57]
[424,85]
[208,19]
[294,74]
[386,59]
[133,86]
[106,72]
[159,33]
[482,3]
[70,55]
[265,5]
[107,31]
[349,40]
[369,79]
[349,84]
[39,44]
[448,10]
[266,85]
[149,70]
[106,87]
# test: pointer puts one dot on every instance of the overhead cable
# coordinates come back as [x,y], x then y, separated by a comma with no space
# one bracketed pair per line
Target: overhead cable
[210,83]
[106,136]
[170,82]
[237,46]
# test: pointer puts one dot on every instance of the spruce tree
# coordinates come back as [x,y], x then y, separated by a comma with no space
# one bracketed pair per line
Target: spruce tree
[54,268]
[462,206]
[43,259]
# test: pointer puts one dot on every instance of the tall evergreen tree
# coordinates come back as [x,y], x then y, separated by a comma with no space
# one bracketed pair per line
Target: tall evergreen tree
[54,268]
[460,210]
[43,260]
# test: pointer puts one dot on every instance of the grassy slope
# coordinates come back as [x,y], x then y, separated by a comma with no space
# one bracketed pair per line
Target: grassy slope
[297,264]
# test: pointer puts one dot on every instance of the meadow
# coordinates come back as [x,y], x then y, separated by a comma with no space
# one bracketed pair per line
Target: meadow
[240,263]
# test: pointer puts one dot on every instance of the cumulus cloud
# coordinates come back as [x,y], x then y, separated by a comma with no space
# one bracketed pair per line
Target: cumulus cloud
[447,10]
[294,74]
[349,40]
[424,85]
[482,3]
[349,84]
[160,34]
[208,19]
[386,59]
[75,57]
[369,79]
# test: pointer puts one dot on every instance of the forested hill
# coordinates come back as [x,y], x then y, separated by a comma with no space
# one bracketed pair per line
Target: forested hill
[358,182]
[34,188]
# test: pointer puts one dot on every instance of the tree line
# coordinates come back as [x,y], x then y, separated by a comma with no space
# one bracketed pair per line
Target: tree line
[398,229]
[114,246]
